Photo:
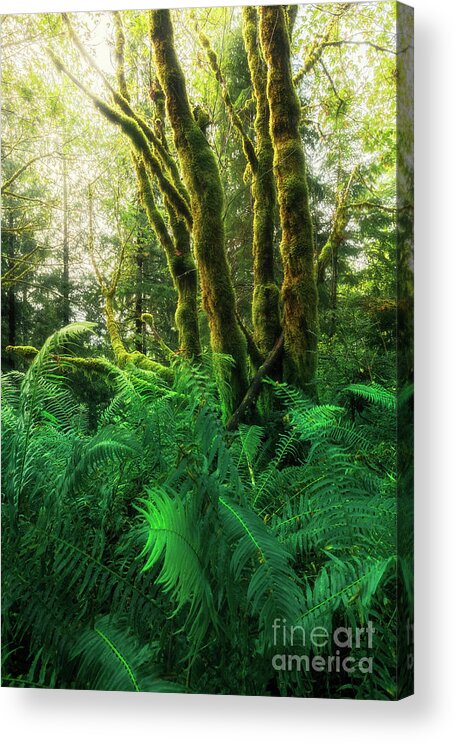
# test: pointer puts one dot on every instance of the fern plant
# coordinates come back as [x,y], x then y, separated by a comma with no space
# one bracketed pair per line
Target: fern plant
[158,551]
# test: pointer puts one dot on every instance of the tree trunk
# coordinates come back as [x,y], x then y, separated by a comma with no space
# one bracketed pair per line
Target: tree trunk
[299,293]
[65,273]
[139,300]
[180,262]
[11,291]
[202,179]
[334,292]
[266,295]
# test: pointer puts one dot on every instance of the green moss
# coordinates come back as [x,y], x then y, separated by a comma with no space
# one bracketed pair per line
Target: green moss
[265,305]
[180,261]
[89,366]
[122,356]
[299,294]
[339,223]
[266,311]
[202,118]
[141,136]
[202,179]
[26,351]
[119,52]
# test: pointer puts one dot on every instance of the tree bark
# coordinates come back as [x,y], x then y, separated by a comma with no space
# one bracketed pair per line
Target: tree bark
[180,262]
[202,179]
[255,387]
[299,292]
[65,272]
[11,290]
[266,295]
[139,300]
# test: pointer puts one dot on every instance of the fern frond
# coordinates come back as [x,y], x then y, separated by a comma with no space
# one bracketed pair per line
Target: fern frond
[273,589]
[111,658]
[374,393]
[339,585]
[174,540]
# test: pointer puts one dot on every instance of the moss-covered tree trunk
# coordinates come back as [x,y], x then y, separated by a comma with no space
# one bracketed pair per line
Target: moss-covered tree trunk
[180,261]
[9,242]
[340,221]
[299,293]
[266,295]
[139,326]
[65,289]
[202,179]
[178,246]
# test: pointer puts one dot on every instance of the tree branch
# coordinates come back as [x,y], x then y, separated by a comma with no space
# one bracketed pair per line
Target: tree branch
[255,386]
[339,223]
[135,133]
[122,98]
[372,205]
[365,43]
[314,53]
[20,170]
[248,147]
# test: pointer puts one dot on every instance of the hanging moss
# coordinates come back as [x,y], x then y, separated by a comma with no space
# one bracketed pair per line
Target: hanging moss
[299,294]
[202,179]
[266,295]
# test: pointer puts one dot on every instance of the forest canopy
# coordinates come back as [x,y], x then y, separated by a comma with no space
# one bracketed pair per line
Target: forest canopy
[200,228]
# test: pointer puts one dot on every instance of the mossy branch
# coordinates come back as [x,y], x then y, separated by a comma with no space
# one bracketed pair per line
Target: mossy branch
[9,182]
[247,144]
[154,214]
[123,100]
[299,292]
[124,357]
[119,54]
[135,133]
[180,262]
[339,223]
[97,365]
[10,277]
[255,387]
[316,49]
[373,205]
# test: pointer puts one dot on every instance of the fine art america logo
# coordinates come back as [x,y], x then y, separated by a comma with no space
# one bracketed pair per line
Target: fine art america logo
[342,650]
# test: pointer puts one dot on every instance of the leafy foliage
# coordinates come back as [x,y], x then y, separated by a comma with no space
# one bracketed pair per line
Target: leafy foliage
[156,552]
[144,546]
